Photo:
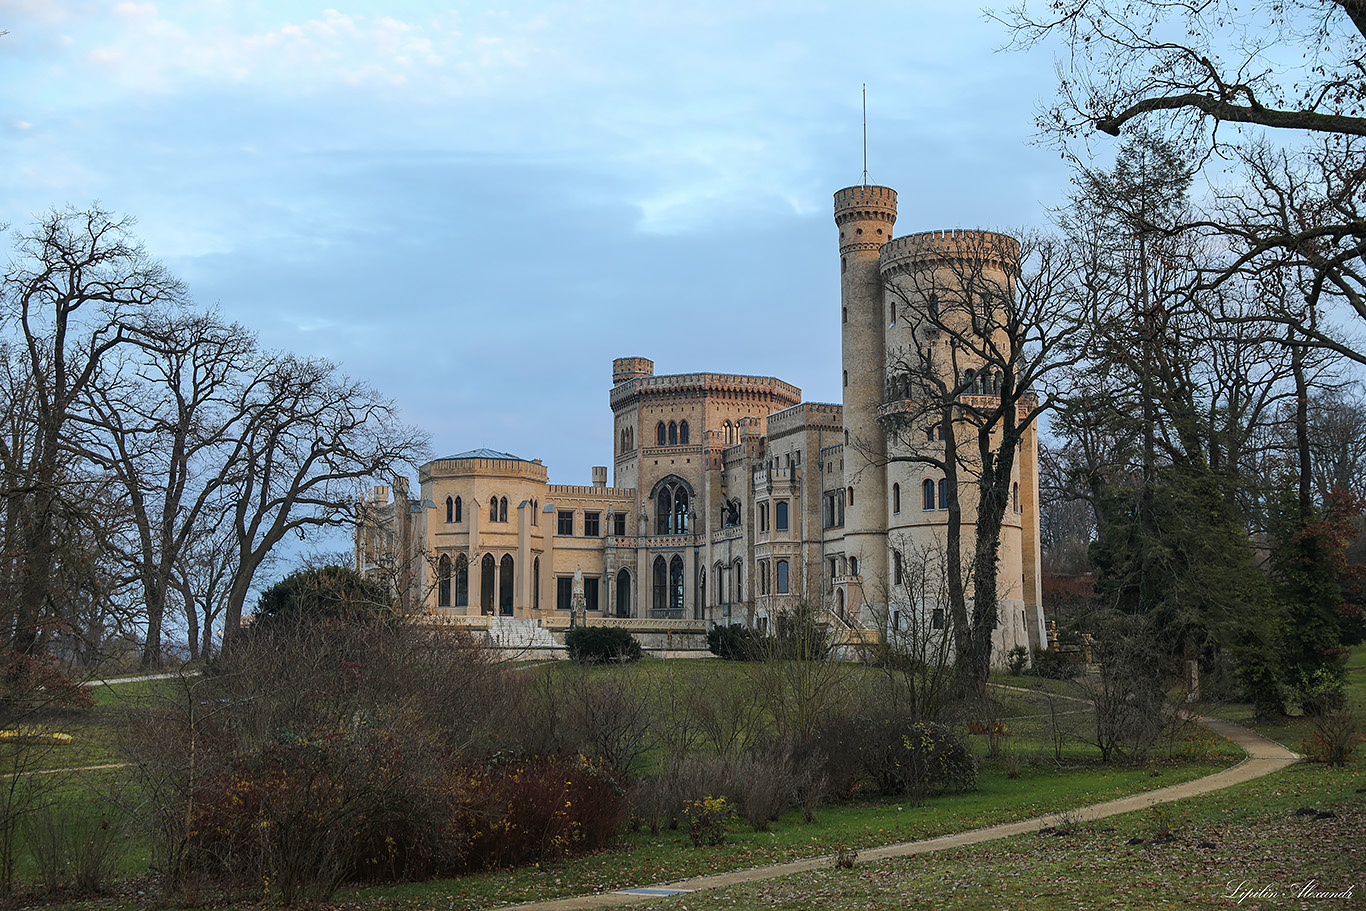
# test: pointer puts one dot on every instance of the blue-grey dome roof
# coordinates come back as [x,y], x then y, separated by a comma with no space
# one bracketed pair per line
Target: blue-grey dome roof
[482,454]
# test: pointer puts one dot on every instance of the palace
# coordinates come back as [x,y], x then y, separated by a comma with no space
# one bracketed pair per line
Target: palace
[731,498]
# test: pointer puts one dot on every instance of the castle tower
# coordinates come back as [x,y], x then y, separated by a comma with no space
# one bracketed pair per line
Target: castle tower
[865,216]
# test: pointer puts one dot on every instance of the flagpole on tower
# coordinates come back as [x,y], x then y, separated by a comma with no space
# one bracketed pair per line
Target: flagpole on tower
[865,134]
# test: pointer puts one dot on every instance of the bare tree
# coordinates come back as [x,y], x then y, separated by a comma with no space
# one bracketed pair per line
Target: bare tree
[311,434]
[75,295]
[161,420]
[991,321]
[1228,76]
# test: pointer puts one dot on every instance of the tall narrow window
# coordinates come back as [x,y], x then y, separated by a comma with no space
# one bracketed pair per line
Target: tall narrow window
[503,509]
[1015,496]
[928,487]
[780,515]
[680,523]
[673,434]
[683,433]
[896,498]
[459,508]
[443,580]
[488,569]
[851,496]
[450,509]
[676,583]
[493,510]
[660,434]
[896,567]
[535,512]
[664,509]
[536,583]
[853,566]
[943,493]
[506,586]
[623,594]
[590,593]
[661,586]
[739,570]
[462,581]
[780,577]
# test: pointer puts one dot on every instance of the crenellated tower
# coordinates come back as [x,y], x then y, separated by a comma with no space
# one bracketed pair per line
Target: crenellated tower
[865,216]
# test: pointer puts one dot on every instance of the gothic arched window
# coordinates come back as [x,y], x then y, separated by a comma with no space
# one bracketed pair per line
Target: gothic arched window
[506,585]
[450,509]
[623,594]
[928,488]
[671,507]
[739,570]
[462,581]
[536,582]
[673,434]
[683,433]
[780,581]
[896,567]
[660,434]
[676,583]
[896,498]
[459,509]
[503,510]
[661,586]
[493,510]
[443,580]
[487,569]
[664,511]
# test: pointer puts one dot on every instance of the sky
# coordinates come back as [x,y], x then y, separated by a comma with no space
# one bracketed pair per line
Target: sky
[476,207]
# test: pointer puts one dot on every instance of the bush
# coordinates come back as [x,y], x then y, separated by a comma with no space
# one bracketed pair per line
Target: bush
[1052,664]
[892,755]
[319,753]
[734,642]
[708,819]
[323,593]
[1017,661]
[600,644]
[1335,738]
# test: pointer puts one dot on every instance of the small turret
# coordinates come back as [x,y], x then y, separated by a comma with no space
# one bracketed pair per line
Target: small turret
[630,368]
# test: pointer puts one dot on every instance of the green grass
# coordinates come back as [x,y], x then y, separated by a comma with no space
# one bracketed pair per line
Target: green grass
[1289,731]
[1043,788]
[1246,837]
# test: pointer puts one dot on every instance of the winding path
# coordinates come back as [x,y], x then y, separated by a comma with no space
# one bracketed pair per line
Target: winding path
[1263,757]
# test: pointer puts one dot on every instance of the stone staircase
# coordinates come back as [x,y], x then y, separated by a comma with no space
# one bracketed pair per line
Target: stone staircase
[518,633]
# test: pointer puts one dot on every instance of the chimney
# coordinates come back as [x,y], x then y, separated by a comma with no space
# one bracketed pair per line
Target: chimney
[599,475]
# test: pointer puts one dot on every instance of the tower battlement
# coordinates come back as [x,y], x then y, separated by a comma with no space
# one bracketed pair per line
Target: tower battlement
[955,243]
[630,368]
[865,216]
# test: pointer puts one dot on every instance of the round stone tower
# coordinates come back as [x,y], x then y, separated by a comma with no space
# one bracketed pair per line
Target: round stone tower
[865,216]
[629,368]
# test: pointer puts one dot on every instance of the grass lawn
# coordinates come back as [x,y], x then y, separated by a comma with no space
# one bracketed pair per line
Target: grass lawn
[1246,825]
[1225,845]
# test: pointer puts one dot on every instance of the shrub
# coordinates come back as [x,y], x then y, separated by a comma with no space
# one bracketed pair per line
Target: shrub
[893,754]
[324,593]
[1335,738]
[538,809]
[1053,664]
[1321,692]
[319,752]
[708,819]
[734,642]
[1017,661]
[600,644]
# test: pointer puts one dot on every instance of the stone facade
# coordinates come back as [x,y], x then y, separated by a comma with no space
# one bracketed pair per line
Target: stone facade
[733,498]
